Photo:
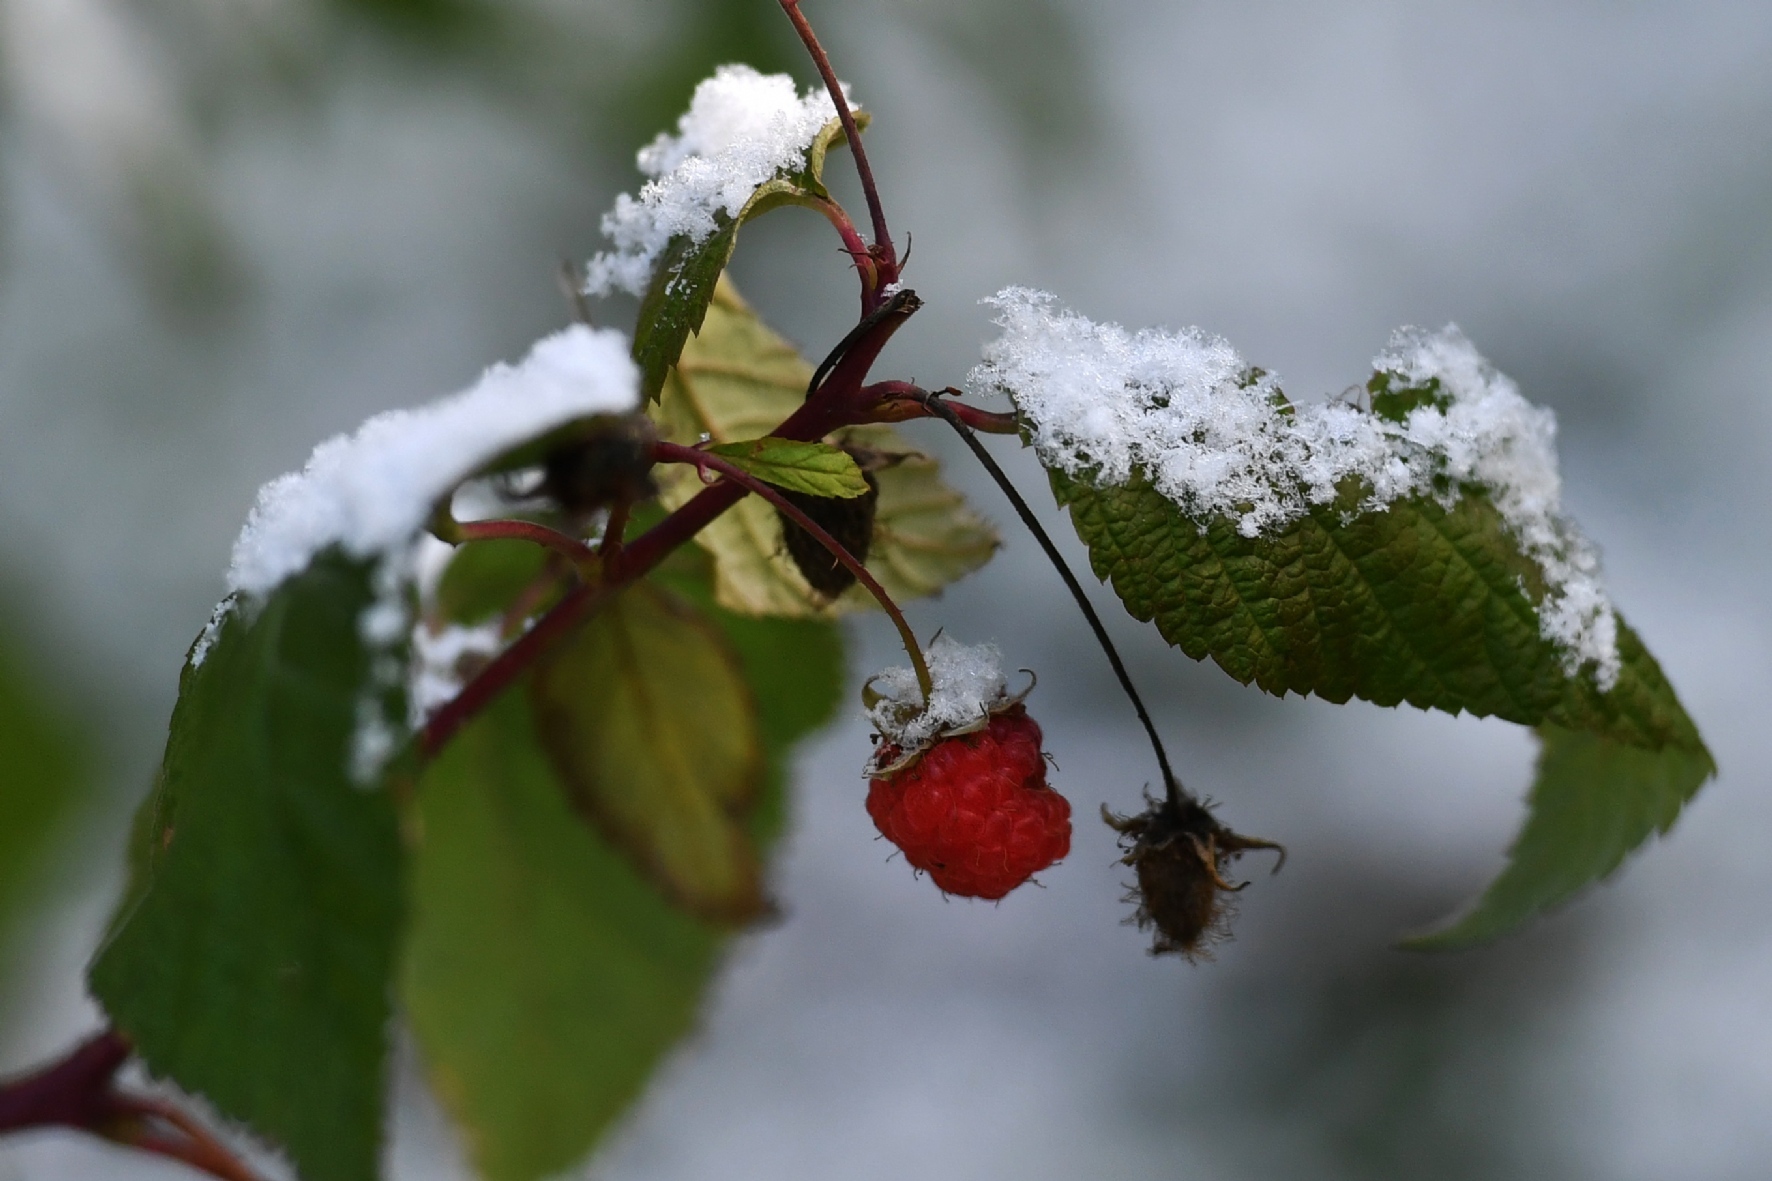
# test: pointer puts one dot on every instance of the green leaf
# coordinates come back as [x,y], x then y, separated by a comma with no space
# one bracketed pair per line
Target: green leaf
[483,578]
[46,781]
[545,978]
[252,959]
[738,380]
[653,730]
[688,272]
[1594,801]
[817,469]
[1420,603]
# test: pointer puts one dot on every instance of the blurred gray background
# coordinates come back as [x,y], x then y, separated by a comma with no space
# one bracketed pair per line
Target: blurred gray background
[229,228]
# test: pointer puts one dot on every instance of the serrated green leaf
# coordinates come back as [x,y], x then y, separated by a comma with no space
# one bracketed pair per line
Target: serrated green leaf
[1594,801]
[653,730]
[46,781]
[252,961]
[683,285]
[1420,603]
[817,469]
[738,380]
[545,978]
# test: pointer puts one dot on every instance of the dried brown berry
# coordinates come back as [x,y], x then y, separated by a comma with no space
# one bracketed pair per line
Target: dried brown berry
[1180,854]
[850,520]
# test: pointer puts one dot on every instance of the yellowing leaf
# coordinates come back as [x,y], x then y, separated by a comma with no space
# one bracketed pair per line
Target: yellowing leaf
[738,380]
[648,720]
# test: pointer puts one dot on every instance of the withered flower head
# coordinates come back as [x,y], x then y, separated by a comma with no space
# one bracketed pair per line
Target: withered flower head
[1180,854]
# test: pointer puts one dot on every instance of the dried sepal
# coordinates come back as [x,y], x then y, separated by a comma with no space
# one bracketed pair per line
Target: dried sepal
[1180,853]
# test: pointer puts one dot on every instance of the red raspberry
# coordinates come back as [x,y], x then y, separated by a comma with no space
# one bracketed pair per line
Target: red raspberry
[975,812]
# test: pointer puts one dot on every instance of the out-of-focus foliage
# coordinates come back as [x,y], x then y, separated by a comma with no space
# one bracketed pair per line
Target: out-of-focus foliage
[43,781]
[252,959]
[544,975]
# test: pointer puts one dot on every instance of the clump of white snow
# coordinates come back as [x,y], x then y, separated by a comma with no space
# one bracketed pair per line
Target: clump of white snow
[370,494]
[968,682]
[741,130]
[1185,410]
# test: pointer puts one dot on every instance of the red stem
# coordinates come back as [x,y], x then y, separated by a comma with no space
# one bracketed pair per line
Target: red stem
[853,246]
[80,1092]
[570,548]
[676,453]
[883,250]
[840,401]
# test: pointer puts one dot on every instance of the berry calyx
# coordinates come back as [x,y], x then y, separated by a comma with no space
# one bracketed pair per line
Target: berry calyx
[974,812]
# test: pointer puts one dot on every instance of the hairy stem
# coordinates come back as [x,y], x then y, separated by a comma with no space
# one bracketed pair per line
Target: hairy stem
[1171,785]
[674,453]
[882,239]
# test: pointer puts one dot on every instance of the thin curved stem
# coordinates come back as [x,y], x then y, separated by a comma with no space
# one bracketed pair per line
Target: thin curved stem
[570,548]
[853,246]
[1172,787]
[676,453]
[882,239]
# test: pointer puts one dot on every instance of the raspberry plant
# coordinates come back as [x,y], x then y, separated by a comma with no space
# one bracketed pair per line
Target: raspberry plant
[490,732]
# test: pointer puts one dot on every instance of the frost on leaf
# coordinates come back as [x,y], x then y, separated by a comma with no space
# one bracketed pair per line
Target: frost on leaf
[742,129]
[1182,411]
[969,686]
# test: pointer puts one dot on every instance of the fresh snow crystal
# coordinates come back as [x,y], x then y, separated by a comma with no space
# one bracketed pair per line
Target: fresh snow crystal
[1185,410]
[968,683]
[742,128]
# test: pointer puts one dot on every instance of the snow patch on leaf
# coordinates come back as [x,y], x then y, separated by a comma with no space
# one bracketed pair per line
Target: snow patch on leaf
[370,492]
[1218,438]
[741,130]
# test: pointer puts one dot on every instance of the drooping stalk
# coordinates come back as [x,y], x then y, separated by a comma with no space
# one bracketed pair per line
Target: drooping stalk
[676,453]
[1172,787]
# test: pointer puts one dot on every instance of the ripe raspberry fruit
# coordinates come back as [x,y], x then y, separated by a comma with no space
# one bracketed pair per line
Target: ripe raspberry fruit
[974,812]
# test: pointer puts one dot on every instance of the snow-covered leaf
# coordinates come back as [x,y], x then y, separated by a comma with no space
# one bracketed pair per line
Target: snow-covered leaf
[1413,551]
[817,469]
[650,725]
[46,781]
[749,143]
[545,976]
[738,380]
[370,493]
[251,961]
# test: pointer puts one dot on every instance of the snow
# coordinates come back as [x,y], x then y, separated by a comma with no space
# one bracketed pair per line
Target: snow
[742,129]
[1186,411]
[437,663]
[968,683]
[370,494]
